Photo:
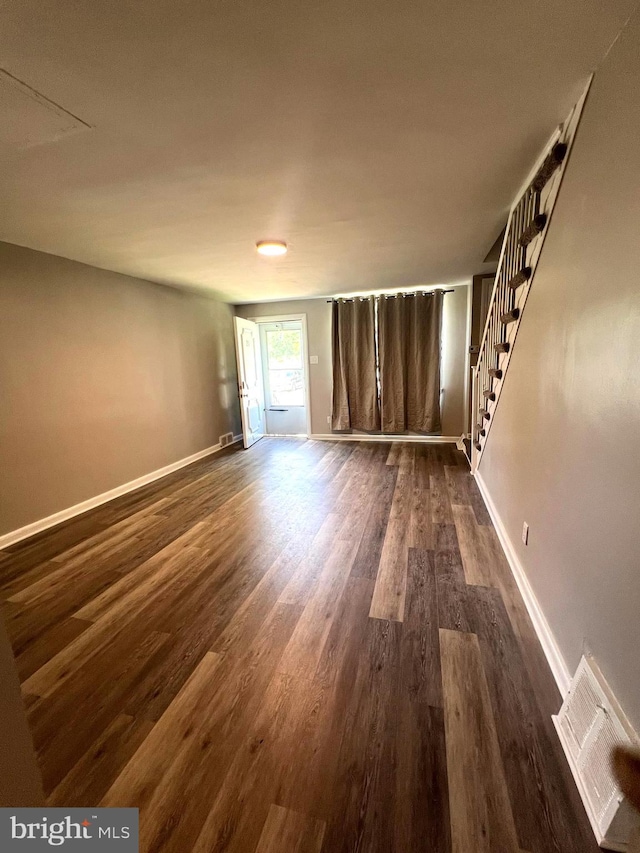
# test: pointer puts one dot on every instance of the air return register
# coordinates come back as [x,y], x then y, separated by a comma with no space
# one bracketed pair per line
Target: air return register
[589,724]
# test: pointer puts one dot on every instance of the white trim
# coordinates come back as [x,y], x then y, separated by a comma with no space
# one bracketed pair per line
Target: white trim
[276,318]
[284,318]
[537,163]
[51,520]
[467,360]
[425,439]
[474,421]
[544,633]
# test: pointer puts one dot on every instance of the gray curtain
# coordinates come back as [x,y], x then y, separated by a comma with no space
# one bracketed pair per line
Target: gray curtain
[355,388]
[409,352]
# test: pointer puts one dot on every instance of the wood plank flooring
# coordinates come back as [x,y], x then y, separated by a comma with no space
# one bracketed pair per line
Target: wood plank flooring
[307,646]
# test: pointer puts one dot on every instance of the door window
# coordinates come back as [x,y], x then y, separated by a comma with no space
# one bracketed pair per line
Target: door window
[284,364]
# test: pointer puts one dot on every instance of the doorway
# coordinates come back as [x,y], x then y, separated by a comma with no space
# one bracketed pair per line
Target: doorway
[283,347]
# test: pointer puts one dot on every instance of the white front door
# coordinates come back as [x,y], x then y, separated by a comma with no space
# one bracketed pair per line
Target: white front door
[249,380]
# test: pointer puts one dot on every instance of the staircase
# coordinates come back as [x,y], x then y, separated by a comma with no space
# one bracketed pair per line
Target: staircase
[524,237]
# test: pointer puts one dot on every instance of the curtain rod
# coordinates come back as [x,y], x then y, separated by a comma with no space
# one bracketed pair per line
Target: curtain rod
[390,295]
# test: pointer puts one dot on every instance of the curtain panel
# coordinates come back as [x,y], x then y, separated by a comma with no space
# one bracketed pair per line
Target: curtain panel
[409,329]
[355,387]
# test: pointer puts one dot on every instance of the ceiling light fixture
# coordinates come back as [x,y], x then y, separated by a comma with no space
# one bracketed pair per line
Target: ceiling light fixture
[272,248]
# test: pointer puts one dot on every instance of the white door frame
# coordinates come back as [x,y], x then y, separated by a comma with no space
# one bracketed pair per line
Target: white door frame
[467,362]
[285,318]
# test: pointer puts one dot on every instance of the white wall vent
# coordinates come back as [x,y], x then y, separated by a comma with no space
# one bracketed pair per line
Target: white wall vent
[589,724]
[225,439]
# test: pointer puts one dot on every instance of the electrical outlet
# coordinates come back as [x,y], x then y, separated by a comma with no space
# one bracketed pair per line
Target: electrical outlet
[525,533]
[328,419]
[313,359]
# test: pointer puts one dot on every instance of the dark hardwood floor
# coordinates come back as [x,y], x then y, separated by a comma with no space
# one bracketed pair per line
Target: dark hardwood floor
[307,646]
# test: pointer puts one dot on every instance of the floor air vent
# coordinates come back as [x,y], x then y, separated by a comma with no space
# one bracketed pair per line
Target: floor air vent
[589,724]
[225,439]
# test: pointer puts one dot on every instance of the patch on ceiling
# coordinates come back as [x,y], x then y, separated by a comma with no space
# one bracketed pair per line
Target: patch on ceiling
[28,118]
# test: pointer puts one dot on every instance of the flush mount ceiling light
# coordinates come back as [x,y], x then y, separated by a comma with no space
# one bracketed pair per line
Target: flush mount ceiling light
[272,248]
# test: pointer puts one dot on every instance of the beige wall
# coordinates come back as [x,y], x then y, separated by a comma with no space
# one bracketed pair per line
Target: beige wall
[563,453]
[103,378]
[318,311]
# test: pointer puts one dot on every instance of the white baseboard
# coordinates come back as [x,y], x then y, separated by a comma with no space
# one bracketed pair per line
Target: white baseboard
[425,439]
[51,520]
[545,635]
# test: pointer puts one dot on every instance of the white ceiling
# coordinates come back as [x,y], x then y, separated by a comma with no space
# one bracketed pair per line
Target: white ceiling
[383,141]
